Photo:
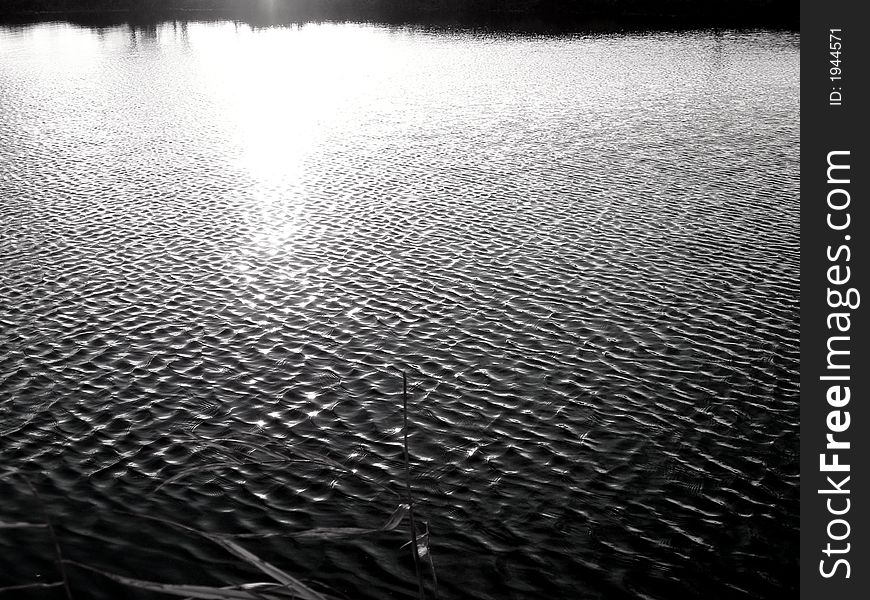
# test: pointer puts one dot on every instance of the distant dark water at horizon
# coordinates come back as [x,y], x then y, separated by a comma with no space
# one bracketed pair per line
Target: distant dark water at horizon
[582,249]
[509,14]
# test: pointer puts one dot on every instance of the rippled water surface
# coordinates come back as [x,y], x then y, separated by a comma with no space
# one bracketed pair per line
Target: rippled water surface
[582,250]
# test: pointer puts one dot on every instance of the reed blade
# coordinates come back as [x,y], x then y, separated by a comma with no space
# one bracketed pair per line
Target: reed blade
[199,592]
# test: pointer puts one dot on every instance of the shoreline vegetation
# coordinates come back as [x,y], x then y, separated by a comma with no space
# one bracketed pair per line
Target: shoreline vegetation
[557,13]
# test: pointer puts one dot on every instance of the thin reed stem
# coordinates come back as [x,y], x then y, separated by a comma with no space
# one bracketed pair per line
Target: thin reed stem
[431,562]
[408,488]
[31,586]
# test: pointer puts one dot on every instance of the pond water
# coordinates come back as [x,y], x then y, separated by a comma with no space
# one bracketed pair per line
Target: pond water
[581,249]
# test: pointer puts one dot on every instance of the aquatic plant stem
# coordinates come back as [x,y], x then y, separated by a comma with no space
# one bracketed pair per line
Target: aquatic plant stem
[408,488]
[31,586]
[431,562]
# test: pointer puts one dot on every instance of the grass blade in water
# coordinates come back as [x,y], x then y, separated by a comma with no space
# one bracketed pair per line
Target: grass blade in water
[187,591]
[334,533]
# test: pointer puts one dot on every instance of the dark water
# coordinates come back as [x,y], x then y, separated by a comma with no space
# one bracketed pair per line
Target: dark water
[583,251]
